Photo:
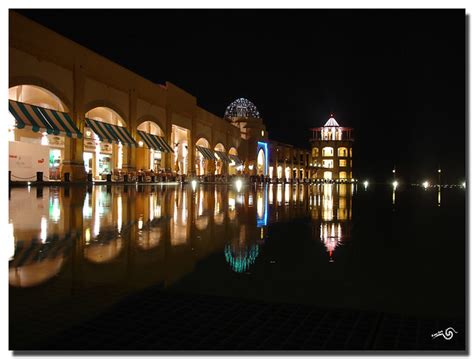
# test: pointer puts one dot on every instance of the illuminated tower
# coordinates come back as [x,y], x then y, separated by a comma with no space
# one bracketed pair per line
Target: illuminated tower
[244,114]
[331,151]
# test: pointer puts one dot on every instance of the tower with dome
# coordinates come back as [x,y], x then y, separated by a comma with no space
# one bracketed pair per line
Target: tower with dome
[331,151]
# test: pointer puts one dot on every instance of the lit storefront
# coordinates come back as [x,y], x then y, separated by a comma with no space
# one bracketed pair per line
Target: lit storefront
[104,140]
[37,132]
[151,158]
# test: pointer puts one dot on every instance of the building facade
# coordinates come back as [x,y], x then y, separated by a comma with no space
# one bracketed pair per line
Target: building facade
[78,115]
[331,151]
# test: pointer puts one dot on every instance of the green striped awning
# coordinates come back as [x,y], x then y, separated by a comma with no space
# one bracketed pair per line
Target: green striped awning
[155,142]
[236,159]
[223,157]
[206,152]
[111,133]
[54,122]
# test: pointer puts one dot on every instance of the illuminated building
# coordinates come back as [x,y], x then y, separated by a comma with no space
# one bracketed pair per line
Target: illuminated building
[76,112]
[331,151]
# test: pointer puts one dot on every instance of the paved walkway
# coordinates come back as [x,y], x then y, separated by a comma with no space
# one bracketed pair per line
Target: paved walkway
[157,320]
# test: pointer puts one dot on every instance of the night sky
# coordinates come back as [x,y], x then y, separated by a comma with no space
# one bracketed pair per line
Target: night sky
[396,76]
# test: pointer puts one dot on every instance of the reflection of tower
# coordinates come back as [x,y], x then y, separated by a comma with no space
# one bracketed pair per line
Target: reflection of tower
[331,212]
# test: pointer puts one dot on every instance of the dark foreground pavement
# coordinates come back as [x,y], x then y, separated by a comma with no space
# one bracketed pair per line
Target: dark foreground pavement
[157,320]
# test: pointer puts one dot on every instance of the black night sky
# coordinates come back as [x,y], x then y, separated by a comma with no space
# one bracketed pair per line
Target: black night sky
[396,76]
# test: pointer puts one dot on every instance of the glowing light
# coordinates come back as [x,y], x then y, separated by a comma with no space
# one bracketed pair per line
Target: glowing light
[439,170]
[193,184]
[366,184]
[463,184]
[250,167]
[44,229]
[44,139]
[393,171]
[426,184]
[238,185]
[140,143]
[29,183]
[395,184]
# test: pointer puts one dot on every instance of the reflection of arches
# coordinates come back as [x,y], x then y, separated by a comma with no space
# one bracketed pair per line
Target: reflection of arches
[103,252]
[35,273]
[202,223]
[35,81]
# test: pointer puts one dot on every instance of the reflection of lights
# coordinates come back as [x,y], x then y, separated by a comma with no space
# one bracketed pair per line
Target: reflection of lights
[463,184]
[330,236]
[279,194]
[87,209]
[366,184]
[426,184]
[87,235]
[231,203]
[238,185]
[44,229]
[54,210]
[395,184]
[119,213]
[140,223]
[193,184]
[439,196]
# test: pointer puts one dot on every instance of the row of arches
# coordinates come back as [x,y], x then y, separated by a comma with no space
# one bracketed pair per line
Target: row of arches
[328,151]
[102,158]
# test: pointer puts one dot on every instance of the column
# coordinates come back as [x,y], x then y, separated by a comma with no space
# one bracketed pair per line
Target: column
[168,157]
[130,152]
[191,148]
[73,162]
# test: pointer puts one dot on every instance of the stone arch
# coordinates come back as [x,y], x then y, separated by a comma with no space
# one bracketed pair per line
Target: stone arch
[201,136]
[219,147]
[106,103]
[36,81]
[153,119]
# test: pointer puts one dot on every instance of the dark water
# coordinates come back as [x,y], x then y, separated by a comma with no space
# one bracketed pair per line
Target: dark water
[77,251]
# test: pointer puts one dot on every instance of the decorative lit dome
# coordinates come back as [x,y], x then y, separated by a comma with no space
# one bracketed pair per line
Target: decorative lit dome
[241,108]
[331,122]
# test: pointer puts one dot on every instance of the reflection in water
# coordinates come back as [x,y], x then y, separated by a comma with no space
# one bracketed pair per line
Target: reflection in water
[101,226]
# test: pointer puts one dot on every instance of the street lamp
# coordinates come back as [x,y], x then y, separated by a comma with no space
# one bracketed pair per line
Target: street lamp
[426,184]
